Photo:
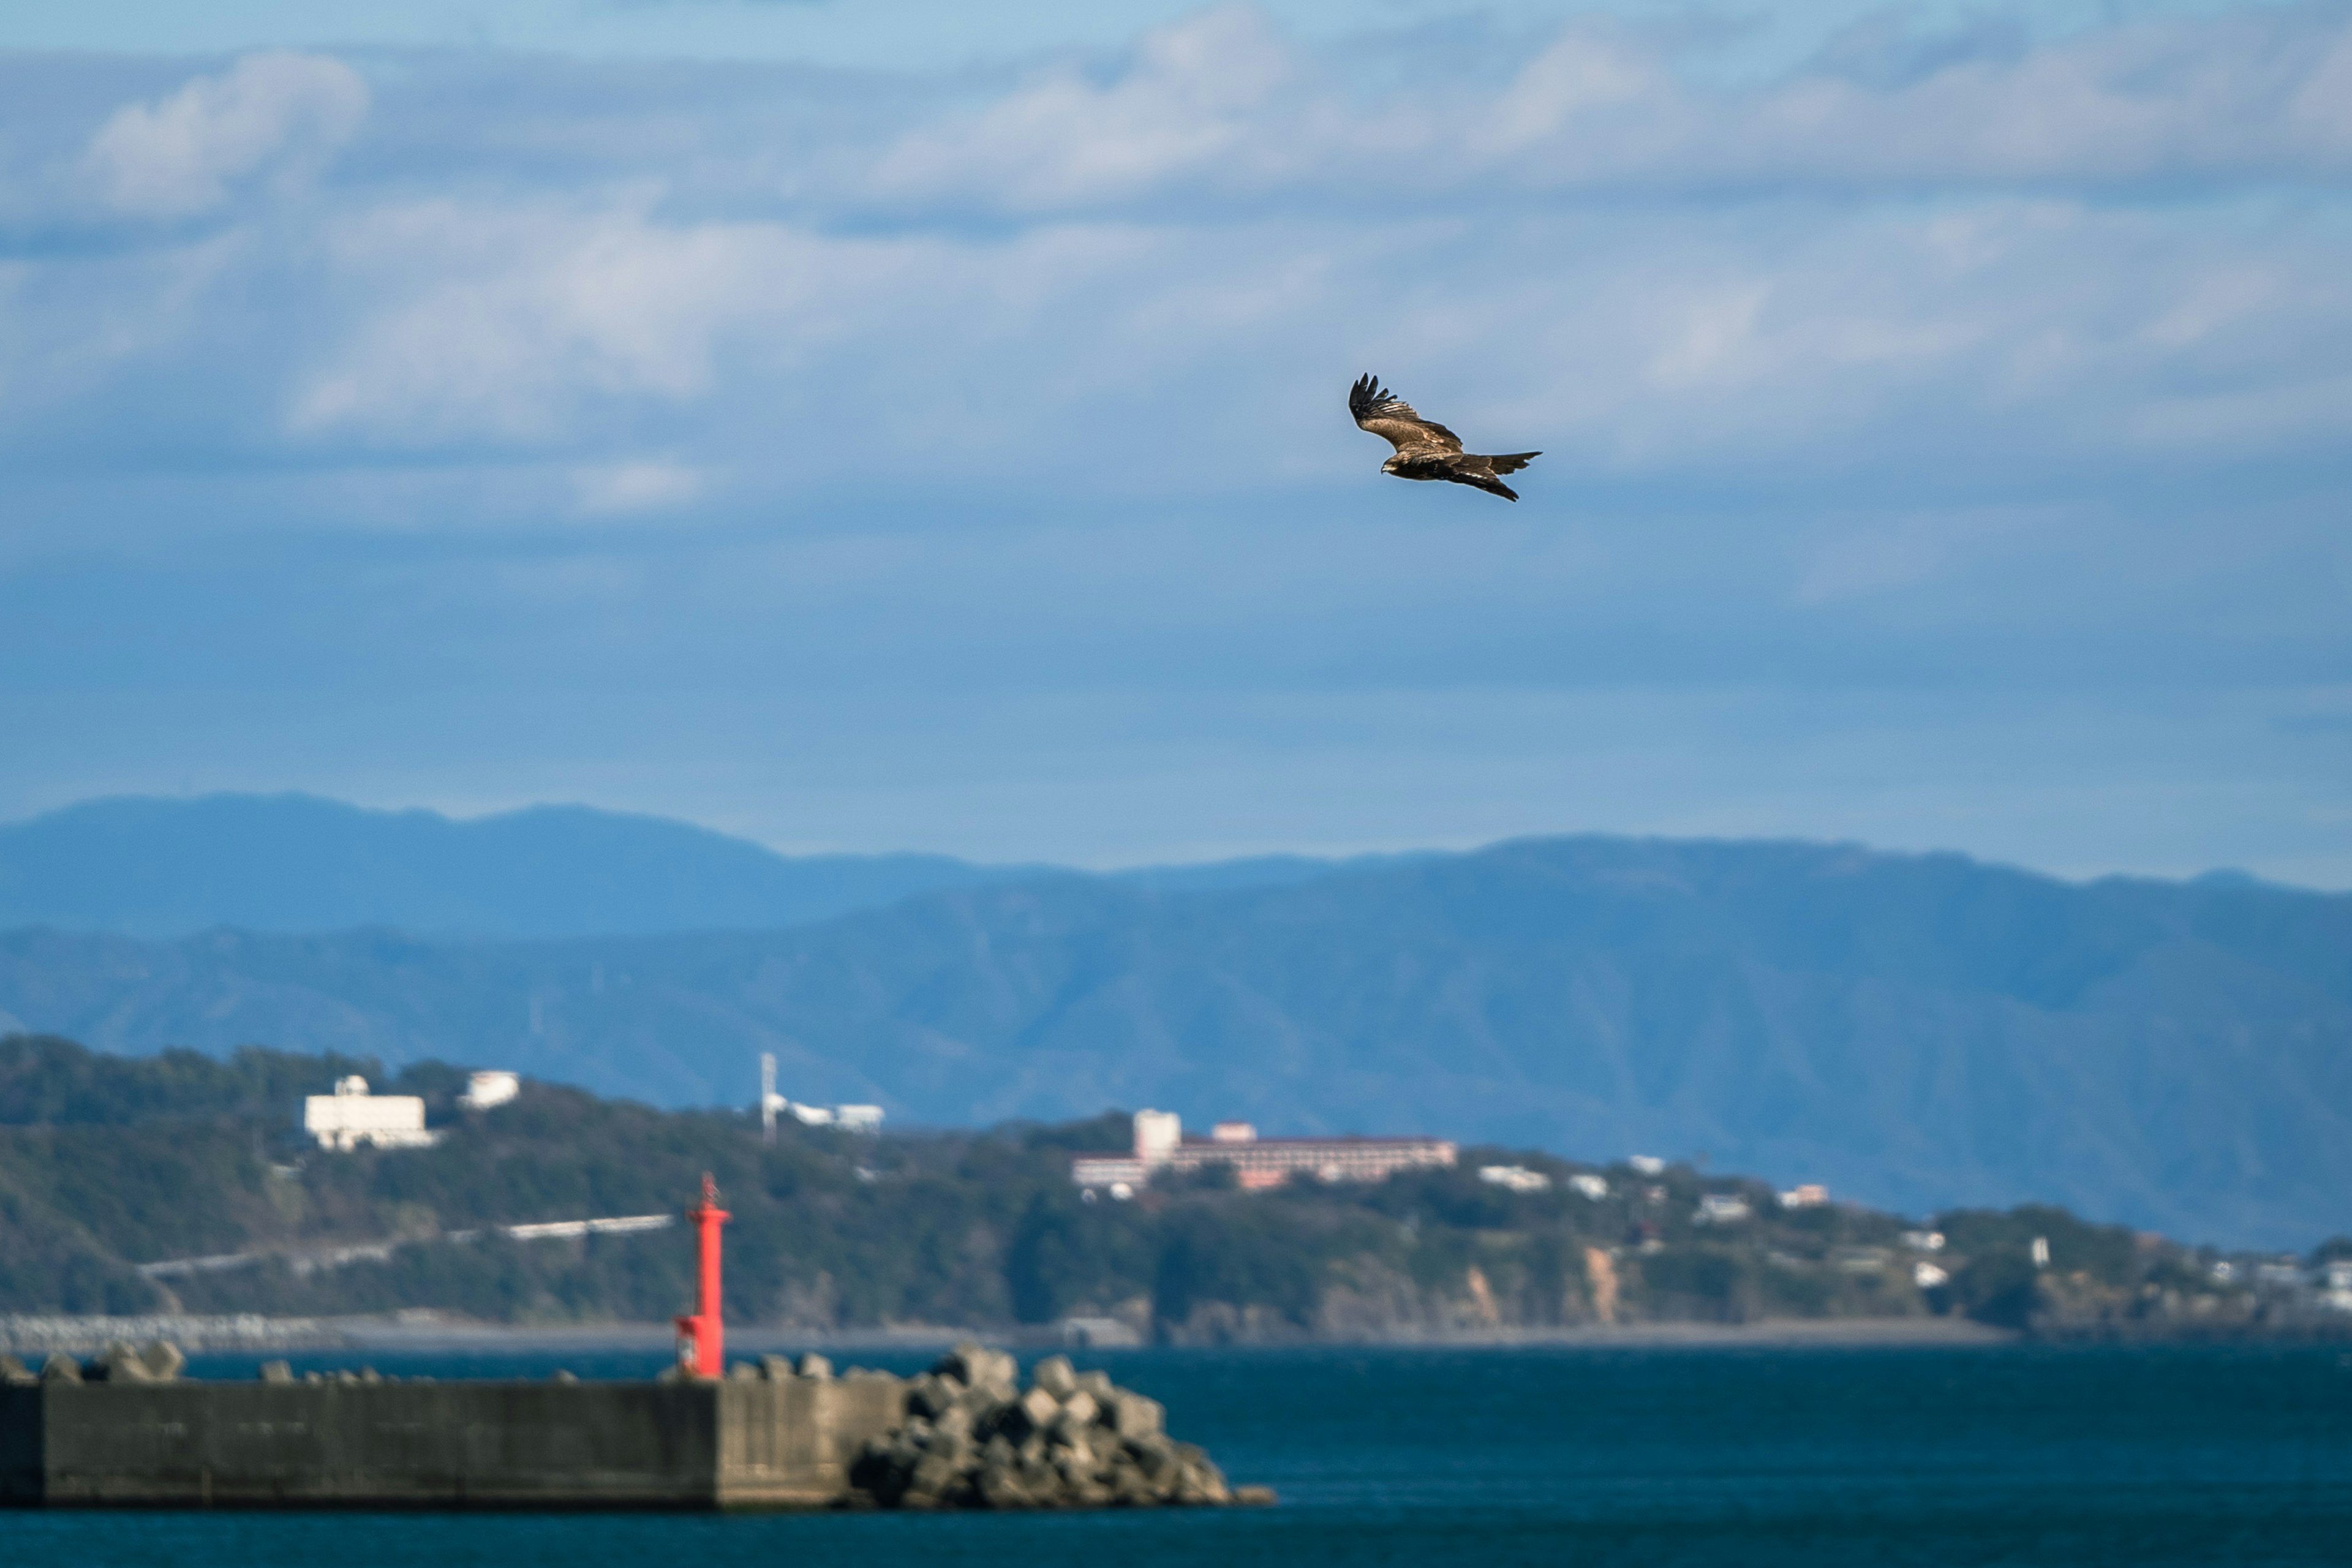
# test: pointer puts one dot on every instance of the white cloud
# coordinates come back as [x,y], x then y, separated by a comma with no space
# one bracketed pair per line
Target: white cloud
[1716,331]
[534,325]
[1898,552]
[277,114]
[501,323]
[646,485]
[1580,74]
[1198,96]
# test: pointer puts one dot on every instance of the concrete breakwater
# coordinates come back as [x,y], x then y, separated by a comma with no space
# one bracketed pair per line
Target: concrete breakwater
[125,1430]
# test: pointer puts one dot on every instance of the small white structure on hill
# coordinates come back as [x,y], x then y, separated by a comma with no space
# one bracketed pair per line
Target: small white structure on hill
[848,1118]
[484,1090]
[1518,1178]
[770,1100]
[352,1117]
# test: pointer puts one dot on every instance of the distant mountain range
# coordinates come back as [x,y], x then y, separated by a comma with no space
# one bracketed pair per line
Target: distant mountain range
[296,863]
[1919,1031]
[168,867]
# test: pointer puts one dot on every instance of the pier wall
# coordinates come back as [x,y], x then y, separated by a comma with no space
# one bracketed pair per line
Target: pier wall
[735,1444]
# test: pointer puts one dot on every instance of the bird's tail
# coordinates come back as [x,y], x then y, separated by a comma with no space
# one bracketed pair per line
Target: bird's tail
[1512,462]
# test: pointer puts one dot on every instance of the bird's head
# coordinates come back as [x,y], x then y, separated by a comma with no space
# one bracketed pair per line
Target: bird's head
[1391,466]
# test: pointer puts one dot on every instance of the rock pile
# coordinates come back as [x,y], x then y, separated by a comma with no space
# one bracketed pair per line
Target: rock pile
[160,1361]
[974,1438]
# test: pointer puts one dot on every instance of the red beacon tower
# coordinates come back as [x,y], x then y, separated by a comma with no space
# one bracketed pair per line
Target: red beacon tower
[702,1337]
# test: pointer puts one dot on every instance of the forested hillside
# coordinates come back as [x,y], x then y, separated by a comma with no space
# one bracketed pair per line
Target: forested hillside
[1919,1031]
[107,1163]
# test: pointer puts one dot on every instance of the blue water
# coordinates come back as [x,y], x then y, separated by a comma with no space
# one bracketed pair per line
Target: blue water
[1811,1458]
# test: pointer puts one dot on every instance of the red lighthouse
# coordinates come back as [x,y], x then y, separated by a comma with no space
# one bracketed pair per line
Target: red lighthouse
[702,1337]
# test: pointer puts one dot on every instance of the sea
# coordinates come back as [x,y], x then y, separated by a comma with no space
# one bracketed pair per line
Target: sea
[1650,1458]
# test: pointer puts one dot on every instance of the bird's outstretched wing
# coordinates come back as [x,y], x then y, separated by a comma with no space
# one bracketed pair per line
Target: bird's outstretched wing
[1480,473]
[1392,418]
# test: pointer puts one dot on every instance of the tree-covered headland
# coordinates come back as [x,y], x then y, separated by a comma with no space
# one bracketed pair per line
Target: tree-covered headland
[110,1163]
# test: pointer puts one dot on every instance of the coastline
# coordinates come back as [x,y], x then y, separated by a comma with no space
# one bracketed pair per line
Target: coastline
[426,1330]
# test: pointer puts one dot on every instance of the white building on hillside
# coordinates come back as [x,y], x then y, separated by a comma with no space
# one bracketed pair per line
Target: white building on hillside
[484,1090]
[352,1117]
[848,1118]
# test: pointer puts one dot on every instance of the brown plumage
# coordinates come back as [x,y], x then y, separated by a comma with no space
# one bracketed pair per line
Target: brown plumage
[1426,449]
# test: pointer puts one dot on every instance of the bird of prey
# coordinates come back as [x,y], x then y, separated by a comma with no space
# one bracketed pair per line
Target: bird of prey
[1426,449]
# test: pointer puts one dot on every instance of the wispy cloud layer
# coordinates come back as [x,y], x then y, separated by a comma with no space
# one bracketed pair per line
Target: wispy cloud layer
[1222,106]
[2126,242]
[271,116]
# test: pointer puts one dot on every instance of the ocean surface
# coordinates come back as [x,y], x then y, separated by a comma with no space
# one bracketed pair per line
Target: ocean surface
[1729,1458]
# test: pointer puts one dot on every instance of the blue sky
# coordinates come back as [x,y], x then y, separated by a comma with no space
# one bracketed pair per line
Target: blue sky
[861,427]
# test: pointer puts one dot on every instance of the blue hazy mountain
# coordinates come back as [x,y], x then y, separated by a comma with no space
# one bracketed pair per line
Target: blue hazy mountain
[296,863]
[1915,1030]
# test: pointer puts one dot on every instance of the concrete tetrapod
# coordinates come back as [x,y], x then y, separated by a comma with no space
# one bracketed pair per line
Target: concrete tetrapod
[974,1438]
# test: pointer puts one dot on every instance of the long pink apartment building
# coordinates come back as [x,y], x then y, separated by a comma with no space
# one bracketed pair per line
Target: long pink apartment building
[1257,1162]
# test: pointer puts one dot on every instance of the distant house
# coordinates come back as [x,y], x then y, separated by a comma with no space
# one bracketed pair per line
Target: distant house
[1926,1275]
[2281,1274]
[1518,1178]
[1647,1164]
[351,1118]
[849,1118]
[1721,1208]
[1108,1171]
[485,1090]
[1809,1195]
[1590,1186]
[1256,1162]
[1924,1240]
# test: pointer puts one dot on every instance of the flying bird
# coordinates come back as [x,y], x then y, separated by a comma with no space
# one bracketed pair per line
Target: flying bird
[1426,449]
